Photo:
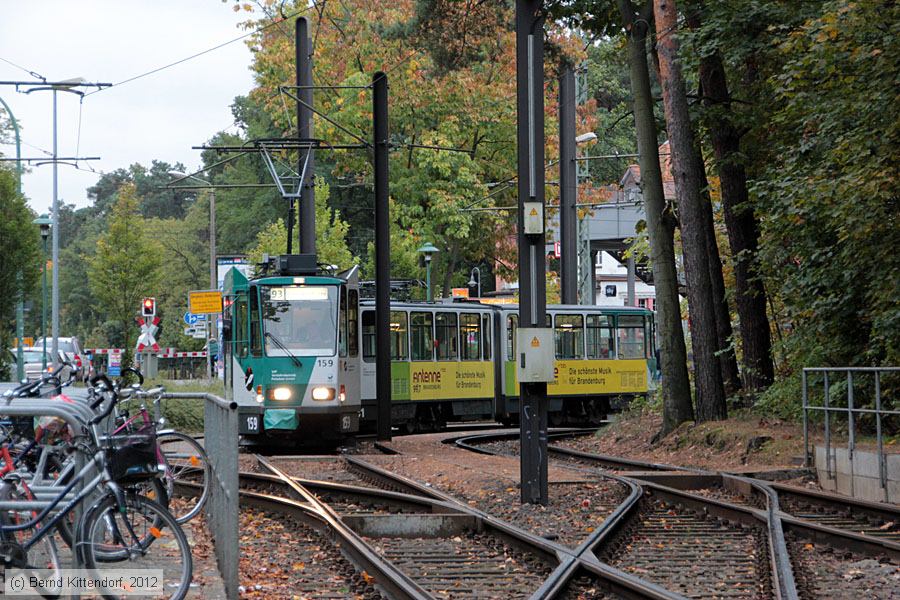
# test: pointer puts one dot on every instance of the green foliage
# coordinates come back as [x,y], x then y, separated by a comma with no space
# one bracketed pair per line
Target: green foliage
[608,83]
[156,201]
[184,244]
[831,231]
[331,235]
[404,253]
[125,267]
[20,265]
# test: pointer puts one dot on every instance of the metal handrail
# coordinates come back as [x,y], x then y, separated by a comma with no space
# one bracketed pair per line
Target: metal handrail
[220,440]
[851,412]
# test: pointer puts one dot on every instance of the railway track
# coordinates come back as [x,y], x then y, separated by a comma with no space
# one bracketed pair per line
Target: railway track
[415,544]
[705,534]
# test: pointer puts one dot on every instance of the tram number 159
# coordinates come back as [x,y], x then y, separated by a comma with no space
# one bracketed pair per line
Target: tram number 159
[250,424]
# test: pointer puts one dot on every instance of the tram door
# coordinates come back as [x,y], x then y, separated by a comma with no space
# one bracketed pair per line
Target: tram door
[349,356]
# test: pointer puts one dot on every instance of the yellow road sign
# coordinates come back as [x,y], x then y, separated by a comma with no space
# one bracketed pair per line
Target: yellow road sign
[205,302]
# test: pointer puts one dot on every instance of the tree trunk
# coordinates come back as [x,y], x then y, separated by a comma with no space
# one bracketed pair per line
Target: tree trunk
[727,359]
[676,387]
[743,230]
[704,336]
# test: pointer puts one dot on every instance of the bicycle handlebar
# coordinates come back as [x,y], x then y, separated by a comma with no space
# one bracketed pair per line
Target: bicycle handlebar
[136,372]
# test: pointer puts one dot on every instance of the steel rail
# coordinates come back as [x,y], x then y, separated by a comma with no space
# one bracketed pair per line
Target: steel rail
[780,564]
[507,530]
[395,582]
[570,560]
[470,442]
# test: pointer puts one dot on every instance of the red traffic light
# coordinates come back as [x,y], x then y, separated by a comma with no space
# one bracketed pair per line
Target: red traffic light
[148,307]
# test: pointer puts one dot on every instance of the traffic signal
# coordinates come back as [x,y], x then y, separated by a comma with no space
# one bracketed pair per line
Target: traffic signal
[148,307]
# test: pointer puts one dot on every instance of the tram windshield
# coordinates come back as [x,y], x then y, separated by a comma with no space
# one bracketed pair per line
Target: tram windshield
[300,320]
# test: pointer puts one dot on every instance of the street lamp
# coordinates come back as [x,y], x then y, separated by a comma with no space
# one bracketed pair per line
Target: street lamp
[472,281]
[428,249]
[71,86]
[585,262]
[44,222]
[213,275]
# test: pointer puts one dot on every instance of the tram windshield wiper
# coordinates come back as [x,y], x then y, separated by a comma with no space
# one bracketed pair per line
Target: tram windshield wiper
[285,348]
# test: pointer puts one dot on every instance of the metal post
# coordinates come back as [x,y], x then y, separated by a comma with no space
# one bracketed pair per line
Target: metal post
[382,255]
[631,301]
[213,277]
[805,400]
[20,329]
[44,301]
[302,49]
[54,326]
[851,421]
[428,296]
[290,226]
[532,278]
[568,188]
[592,282]
[827,430]
[882,471]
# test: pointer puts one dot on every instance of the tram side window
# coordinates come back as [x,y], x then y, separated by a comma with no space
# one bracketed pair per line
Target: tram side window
[353,323]
[255,334]
[600,338]
[569,334]
[368,335]
[631,336]
[422,335]
[239,328]
[486,335]
[399,336]
[342,324]
[447,336]
[470,330]
[512,323]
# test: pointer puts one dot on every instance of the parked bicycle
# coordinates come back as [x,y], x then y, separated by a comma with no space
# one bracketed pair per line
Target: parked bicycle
[118,524]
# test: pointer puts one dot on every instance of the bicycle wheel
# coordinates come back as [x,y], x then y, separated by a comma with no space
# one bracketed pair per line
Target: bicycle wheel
[145,536]
[43,555]
[186,462]
[154,489]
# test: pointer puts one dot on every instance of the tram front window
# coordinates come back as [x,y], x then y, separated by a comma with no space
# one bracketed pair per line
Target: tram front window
[300,319]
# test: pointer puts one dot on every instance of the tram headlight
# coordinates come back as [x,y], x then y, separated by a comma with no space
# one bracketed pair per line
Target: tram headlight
[259,394]
[323,393]
[281,393]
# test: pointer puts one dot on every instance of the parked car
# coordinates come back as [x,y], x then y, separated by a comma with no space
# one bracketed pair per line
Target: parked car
[34,363]
[69,349]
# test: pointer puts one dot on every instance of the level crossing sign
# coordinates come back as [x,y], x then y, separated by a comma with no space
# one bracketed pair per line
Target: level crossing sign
[147,338]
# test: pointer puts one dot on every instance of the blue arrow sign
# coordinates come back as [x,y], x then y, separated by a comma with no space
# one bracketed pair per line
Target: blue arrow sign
[192,319]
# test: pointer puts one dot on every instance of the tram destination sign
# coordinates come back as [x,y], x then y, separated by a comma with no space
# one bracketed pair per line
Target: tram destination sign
[204,302]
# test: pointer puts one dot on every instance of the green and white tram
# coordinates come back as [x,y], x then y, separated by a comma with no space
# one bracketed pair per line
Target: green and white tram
[442,363]
[604,356]
[455,361]
[300,358]
[292,353]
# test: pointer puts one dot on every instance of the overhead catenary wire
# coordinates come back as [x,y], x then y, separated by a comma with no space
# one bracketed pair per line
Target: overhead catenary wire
[203,52]
[21,68]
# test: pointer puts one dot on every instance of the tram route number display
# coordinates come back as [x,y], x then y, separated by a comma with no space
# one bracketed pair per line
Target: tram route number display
[441,380]
[574,377]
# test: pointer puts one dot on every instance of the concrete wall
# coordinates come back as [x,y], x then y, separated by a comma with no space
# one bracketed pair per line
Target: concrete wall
[858,476]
